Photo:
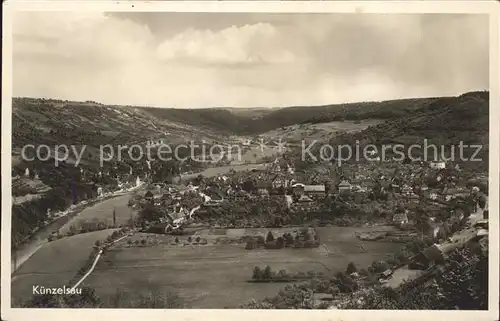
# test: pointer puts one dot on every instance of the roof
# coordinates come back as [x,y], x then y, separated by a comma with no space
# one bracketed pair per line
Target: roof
[314,188]
[387,272]
[344,183]
[305,198]
[433,252]
[400,217]
[323,296]
[148,194]
[482,232]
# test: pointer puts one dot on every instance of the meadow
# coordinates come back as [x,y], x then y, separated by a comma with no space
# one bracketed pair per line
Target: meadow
[309,132]
[215,275]
[54,264]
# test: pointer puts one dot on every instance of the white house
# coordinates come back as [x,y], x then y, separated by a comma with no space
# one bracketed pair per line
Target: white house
[437,165]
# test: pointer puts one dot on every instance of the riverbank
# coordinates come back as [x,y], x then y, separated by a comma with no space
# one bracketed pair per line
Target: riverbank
[38,239]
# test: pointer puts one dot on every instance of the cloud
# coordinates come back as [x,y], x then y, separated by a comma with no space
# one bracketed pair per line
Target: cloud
[203,60]
[248,44]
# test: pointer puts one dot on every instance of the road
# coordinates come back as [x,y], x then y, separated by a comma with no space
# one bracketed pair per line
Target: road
[459,237]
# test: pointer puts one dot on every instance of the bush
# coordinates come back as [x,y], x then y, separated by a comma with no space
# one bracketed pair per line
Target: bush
[143,242]
[351,268]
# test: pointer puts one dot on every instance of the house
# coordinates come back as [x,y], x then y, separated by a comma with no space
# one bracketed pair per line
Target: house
[322,298]
[304,199]
[241,195]
[433,195]
[400,219]
[215,194]
[149,196]
[437,165]
[406,189]
[298,189]
[212,203]
[481,224]
[360,189]
[279,181]
[315,191]
[386,274]
[430,255]
[450,193]
[367,184]
[263,192]
[412,197]
[437,253]
[458,213]
[344,186]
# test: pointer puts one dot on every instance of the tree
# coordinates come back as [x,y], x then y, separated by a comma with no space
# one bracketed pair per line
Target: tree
[280,243]
[190,239]
[176,240]
[351,268]
[269,237]
[266,274]
[257,273]
[143,242]
[282,274]
[380,266]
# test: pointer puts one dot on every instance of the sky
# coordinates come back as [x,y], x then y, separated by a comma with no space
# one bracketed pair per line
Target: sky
[195,60]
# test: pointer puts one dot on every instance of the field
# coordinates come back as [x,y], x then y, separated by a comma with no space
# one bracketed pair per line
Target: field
[103,212]
[54,264]
[215,275]
[255,154]
[296,133]
[215,171]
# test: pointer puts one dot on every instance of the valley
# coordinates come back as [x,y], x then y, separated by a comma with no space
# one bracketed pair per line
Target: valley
[194,233]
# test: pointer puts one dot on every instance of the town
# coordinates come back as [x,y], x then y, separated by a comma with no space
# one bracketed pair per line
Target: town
[250,160]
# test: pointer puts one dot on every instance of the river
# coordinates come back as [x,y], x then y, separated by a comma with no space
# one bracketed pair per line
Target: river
[24,252]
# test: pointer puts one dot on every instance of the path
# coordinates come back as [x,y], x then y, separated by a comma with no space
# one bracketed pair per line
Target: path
[95,262]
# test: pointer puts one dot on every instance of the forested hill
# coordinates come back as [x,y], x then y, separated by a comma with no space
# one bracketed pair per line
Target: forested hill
[444,122]
[258,121]
[250,121]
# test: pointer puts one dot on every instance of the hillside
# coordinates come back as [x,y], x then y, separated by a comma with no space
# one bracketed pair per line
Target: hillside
[251,121]
[443,122]
[55,121]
